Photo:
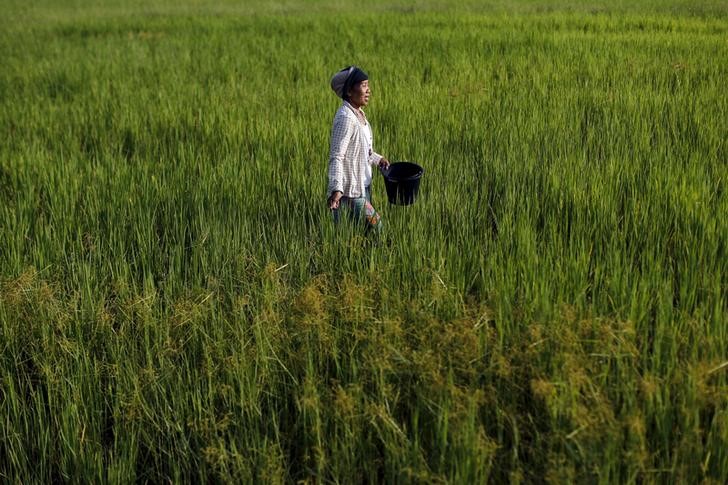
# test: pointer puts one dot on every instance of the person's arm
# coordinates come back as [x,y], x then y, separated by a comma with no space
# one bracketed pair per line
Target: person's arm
[377,159]
[374,158]
[341,134]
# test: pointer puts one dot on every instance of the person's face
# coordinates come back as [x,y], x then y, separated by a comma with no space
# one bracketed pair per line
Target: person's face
[359,94]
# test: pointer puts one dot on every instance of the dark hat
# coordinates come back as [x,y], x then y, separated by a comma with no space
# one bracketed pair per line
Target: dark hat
[345,79]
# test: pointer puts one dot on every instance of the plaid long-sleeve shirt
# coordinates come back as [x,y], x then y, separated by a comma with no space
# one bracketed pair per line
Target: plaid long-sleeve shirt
[350,155]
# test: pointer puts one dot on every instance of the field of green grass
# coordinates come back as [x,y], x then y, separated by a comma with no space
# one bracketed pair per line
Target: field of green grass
[176,303]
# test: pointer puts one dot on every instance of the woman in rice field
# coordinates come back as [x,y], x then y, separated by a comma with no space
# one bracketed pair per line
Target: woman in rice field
[352,154]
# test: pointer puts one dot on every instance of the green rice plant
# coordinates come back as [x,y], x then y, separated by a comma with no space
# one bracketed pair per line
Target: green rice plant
[177,304]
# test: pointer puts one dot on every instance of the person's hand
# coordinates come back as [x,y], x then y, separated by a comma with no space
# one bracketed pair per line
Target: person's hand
[334,200]
[384,163]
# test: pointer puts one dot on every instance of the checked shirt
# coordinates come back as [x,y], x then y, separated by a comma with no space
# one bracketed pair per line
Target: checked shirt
[350,156]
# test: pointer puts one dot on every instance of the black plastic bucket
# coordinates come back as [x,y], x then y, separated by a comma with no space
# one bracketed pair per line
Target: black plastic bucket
[402,180]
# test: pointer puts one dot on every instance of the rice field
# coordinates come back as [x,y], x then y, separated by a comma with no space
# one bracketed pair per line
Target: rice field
[177,305]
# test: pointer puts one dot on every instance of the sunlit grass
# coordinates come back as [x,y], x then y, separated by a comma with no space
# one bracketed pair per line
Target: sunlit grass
[175,302]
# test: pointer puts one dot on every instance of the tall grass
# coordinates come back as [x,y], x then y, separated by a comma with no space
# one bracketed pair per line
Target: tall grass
[175,302]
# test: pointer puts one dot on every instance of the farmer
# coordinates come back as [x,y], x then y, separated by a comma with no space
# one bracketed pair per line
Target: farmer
[352,154]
